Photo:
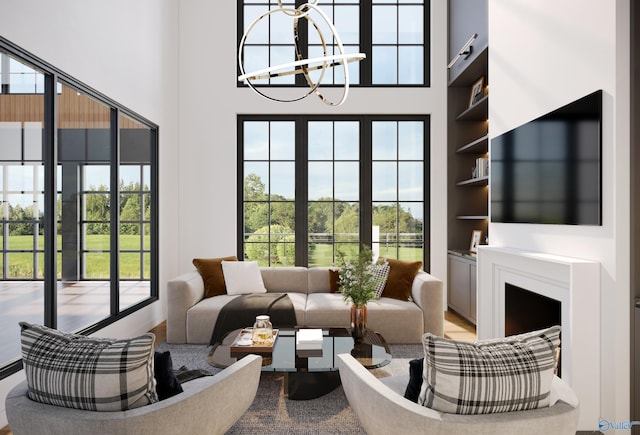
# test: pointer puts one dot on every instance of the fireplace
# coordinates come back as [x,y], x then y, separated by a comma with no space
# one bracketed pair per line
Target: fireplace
[526,311]
[574,285]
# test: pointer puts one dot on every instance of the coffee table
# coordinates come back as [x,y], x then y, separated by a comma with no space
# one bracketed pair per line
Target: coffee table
[310,374]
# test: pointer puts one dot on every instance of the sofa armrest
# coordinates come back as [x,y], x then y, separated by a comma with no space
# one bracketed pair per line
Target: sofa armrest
[427,293]
[183,292]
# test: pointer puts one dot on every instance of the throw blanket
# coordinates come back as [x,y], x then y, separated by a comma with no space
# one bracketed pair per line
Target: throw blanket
[241,312]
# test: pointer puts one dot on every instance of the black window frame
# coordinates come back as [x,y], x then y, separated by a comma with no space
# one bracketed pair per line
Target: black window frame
[53,76]
[301,177]
[365,28]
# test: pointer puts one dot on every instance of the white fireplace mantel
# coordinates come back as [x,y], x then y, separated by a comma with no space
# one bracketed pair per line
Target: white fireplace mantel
[572,281]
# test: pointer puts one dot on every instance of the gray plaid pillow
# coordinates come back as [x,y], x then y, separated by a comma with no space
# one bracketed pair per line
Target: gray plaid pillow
[381,273]
[501,375]
[93,374]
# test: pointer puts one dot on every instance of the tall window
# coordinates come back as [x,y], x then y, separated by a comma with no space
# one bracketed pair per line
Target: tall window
[394,34]
[315,186]
[77,185]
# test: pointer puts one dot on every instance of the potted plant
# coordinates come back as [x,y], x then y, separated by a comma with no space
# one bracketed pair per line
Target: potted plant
[358,281]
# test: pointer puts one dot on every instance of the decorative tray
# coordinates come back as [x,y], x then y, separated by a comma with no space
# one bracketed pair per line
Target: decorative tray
[236,347]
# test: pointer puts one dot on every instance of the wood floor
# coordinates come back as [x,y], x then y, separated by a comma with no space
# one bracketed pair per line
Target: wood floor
[455,327]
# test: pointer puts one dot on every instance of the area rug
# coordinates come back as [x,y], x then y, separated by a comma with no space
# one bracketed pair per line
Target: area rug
[272,413]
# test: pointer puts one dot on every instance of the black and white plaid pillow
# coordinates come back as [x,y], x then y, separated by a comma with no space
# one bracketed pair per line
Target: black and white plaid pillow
[510,374]
[93,374]
[381,273]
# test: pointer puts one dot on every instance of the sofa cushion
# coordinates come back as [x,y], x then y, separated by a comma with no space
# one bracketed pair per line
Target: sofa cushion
[505,375]
[94,374]
[167,384]
[400,280]
[242,277]
[211,271]
[287,279]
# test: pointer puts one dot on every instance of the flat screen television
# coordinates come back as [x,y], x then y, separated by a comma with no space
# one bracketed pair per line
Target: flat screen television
[549,171]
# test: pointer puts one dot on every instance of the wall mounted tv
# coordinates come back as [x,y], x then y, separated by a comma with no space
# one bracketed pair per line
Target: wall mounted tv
[549,171]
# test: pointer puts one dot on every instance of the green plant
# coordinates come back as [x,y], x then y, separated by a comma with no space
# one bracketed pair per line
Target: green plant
[358,278]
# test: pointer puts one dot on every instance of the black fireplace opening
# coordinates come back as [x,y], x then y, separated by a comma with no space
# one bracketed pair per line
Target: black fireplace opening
[526,311]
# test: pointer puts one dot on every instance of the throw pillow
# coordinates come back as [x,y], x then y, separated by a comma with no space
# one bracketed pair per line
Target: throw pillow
[400,280]
[93,374]
[167,384]
[381,273]
[415,379]
[243,277]
[512,374]
[334,281]
[211,271]
[185,374]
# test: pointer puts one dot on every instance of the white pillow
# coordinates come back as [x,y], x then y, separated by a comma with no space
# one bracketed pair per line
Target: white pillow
[242,277]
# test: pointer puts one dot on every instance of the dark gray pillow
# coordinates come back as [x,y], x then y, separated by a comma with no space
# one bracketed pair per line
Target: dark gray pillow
[167,384]
[415,379]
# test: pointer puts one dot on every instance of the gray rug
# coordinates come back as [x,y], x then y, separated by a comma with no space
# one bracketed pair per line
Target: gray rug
[272,413]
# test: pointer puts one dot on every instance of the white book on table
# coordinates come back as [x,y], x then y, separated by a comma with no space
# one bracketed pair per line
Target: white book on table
[309,339]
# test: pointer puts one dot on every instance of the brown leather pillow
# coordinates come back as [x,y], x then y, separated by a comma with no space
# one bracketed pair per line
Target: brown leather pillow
[334,281]
[211,271]
[400,278]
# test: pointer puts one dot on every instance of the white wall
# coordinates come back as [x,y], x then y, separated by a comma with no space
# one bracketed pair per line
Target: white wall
[544,54]
[127,51]
[210,102]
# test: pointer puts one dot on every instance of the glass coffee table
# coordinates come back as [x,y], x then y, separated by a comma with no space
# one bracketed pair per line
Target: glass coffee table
[309,373]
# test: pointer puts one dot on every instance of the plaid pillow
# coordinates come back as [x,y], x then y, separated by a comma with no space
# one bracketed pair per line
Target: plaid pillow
[510,374]
[381,273]
[87,373]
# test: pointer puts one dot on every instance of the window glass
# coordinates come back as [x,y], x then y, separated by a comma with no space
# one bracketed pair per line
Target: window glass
[332,178]
[78,264]
[393,36]
[21,178]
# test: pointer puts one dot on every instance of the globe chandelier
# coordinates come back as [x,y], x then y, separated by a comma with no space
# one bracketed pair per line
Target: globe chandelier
[301,65]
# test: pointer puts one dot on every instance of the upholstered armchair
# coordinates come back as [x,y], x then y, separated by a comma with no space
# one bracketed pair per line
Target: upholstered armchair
[382,409]
[208,405]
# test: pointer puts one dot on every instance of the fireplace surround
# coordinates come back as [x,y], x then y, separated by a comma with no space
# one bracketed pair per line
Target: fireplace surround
[575,284]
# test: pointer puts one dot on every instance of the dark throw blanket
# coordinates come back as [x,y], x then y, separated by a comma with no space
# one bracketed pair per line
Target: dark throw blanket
[241,312]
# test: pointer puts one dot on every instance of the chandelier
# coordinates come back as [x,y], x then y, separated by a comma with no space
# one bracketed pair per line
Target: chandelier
[301,65]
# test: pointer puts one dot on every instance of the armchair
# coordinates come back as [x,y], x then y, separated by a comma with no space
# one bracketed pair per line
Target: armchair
[208,405]
[381,408]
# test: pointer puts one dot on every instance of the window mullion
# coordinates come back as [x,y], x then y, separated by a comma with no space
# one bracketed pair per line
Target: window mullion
[302,193]
[114,243]
[366,35]
[50,157]
[366,219]
[303,43]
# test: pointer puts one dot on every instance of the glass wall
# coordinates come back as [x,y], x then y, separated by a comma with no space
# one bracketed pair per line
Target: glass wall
[21,193]
[78,188]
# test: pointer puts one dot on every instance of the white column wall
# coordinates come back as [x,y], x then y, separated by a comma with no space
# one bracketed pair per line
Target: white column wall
[127,51]
[210,103]
[544,54]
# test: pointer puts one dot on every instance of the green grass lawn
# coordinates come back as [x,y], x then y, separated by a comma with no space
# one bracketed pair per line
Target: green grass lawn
[96,264]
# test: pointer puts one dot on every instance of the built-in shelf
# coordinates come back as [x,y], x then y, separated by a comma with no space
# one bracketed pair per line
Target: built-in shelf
[480,145]
[472,217]
[477,69]
[477,112]
[478,181]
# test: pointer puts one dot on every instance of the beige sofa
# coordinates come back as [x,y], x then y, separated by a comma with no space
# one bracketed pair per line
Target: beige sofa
[191,317]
